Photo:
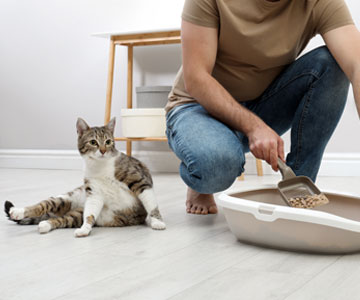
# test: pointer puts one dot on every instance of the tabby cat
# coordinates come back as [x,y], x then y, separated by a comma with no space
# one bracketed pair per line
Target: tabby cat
[117,190]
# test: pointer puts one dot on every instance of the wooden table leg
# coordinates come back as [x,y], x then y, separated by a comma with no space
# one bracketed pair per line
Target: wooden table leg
[110,80]
[241,177]
[259,170]
[129,89]
[259,167]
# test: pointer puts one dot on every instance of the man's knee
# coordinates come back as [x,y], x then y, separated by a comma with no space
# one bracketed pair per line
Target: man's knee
[321,56]
[334,83]
[213,171]
[323,60]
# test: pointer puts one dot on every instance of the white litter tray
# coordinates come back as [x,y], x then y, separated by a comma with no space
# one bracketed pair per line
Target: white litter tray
[260,216]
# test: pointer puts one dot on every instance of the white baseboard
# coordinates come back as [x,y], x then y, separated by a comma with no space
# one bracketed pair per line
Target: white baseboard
[157,161]
[40,159]
[333,164]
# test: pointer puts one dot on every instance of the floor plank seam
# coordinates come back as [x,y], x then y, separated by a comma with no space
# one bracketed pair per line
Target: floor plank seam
[152,260]
[214,275]
[313,277]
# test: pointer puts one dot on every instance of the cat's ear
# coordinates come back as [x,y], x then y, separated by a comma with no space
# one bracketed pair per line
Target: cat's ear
[81,126]
[111,125]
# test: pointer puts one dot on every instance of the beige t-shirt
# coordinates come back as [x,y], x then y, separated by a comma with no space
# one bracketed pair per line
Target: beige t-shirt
[257,39]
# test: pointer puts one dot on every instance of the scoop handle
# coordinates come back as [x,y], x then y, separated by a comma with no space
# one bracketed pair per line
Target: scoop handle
[286,171]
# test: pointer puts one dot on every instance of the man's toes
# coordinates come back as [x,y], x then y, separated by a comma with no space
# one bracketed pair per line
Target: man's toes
[198,210]
[193,209]
[213,209]
[188,207]
[204,211]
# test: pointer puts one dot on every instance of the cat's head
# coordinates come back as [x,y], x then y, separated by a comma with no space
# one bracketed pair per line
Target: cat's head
[96,142]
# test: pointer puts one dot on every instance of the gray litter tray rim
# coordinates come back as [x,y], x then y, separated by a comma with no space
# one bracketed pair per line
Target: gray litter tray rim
[271,212]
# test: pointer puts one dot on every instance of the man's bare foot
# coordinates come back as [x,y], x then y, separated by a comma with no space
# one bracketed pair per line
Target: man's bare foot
[200,204]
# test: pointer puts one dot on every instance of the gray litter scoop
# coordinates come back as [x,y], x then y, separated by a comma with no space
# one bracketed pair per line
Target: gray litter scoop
[299,191]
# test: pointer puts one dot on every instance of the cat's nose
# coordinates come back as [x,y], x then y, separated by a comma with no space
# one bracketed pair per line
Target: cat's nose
[102,150]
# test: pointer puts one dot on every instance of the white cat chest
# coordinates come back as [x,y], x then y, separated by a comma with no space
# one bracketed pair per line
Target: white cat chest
[143,122]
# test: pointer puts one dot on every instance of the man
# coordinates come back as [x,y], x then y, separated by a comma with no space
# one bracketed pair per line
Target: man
[241,87]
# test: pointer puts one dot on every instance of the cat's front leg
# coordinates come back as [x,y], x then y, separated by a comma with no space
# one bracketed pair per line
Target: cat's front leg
[93,207]
[154,219]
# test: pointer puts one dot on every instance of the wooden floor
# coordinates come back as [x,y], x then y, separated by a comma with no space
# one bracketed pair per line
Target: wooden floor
[197,257]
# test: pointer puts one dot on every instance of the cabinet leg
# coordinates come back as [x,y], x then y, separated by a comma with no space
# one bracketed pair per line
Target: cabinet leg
[259,167]
[241,177]
[130,77]
[129,89]
[128,148]
[110,80]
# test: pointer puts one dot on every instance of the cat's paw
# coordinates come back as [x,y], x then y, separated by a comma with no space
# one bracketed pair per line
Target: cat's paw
[157,224]
[17,214]
[44,227]
[82,232]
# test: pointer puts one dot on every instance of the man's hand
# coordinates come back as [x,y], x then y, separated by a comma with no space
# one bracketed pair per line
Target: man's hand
[266,144]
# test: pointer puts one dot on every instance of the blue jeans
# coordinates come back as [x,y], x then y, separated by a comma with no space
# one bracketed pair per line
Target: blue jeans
[308,96]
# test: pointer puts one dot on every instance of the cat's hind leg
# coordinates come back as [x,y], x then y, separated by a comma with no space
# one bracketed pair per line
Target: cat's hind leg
[17,215]
[153,219]
[54,206]
[72,219]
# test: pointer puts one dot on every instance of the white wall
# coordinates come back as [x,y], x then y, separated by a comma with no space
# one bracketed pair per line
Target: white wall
[53,71]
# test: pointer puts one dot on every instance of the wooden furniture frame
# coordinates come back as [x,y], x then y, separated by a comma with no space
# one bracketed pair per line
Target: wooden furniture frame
[131,40]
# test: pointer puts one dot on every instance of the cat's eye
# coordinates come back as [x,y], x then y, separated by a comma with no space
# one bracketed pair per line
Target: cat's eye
[108,142]
[93,142]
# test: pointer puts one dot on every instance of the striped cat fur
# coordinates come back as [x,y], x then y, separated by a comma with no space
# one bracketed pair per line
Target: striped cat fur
[117,191]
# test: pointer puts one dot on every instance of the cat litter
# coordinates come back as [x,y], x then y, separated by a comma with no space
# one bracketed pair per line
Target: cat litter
[309,201]
[261,217]
[299,191]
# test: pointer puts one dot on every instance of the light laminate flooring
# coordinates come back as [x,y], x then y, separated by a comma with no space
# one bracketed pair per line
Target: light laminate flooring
[196,257]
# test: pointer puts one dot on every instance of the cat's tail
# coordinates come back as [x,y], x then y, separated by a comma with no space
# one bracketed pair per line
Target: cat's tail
[7,207]
[26,221]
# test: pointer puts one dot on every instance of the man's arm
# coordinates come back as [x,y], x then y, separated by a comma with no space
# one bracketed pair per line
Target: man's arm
[344,45]
[199,48]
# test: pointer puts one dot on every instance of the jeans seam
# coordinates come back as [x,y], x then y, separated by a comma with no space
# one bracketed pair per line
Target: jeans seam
[186,156]
[300,129]
[301,122]
[242,165]
[169,134]
[315,74]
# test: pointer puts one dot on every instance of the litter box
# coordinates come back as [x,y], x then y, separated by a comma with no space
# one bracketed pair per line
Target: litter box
[260,216]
